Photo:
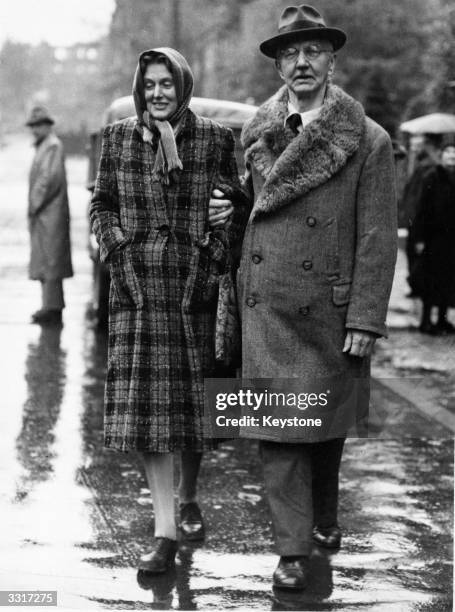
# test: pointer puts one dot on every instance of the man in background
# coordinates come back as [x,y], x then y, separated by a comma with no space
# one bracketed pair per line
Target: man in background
[48,217]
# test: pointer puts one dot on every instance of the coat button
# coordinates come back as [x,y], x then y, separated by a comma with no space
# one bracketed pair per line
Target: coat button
[307,264]
[304,310]
[311,221]
[251,302]
[256,259]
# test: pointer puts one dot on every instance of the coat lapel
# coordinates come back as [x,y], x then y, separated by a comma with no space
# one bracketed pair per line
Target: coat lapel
[292,166]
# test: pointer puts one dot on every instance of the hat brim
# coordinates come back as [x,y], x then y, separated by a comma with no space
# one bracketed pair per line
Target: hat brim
[271,46]
[40,121]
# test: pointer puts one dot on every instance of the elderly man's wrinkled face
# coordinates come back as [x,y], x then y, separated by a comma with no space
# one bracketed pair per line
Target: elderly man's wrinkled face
[448,157]
[305,66]
[160,93]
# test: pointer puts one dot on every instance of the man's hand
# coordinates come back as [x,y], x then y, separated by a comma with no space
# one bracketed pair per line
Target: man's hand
[220,210]
[359,343]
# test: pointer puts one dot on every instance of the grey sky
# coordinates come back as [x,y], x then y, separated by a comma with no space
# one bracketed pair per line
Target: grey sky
[59,22]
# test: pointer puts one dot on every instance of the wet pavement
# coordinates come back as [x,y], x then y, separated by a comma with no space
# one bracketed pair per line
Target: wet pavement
[75,517]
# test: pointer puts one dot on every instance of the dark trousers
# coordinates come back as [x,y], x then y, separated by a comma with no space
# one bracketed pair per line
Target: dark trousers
[301,482]
[52,294]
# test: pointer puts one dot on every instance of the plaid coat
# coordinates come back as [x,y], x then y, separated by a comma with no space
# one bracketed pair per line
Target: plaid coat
[164,270]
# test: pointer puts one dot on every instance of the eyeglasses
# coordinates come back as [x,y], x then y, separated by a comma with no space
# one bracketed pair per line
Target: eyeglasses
[311,52]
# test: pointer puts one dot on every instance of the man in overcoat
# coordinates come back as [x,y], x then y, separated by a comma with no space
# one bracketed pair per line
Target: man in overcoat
[48,217]
[316,270]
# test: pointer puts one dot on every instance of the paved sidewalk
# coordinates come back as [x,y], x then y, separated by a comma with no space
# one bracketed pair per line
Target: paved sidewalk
[419,366]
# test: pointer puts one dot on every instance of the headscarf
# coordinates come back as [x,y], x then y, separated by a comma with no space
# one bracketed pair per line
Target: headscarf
[167,159]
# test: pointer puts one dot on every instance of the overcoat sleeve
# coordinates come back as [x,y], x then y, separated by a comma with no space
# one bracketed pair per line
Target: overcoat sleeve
[229,183]
[104,209]
[48,180]
[376,245]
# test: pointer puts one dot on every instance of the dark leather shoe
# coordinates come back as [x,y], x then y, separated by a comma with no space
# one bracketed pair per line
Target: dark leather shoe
[291,573]
[52,317]
[191,523]
[328,537]
[161,559]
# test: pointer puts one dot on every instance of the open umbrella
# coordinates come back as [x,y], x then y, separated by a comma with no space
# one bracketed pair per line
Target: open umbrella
[435,123]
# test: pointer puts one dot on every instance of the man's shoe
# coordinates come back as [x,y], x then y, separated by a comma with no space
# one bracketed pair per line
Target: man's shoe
[53,317]
[291,573]
[191,523]
[328,537]
[161,559]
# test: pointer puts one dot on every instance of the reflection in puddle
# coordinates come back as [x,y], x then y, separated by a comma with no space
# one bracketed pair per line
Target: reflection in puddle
[85,516]
[45,379]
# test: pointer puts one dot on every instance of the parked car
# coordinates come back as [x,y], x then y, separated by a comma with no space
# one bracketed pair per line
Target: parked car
[228,113]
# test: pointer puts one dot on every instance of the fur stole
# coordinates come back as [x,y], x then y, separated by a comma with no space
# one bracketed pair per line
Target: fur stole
[292,165]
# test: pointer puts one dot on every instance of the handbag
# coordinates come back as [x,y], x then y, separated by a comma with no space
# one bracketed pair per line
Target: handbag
[228,337]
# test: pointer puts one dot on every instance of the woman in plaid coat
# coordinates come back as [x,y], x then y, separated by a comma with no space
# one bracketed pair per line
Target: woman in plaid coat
[150,215]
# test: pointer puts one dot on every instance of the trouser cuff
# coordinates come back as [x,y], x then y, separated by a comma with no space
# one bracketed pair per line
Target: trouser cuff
[287,548]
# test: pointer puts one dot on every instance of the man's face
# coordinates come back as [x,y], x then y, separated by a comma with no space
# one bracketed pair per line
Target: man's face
[40,131]
[448,158]
[160,93]
[305,66]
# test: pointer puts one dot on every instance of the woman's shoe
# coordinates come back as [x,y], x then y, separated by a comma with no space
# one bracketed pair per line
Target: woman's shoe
[161,559]
[191,523]
[328,537]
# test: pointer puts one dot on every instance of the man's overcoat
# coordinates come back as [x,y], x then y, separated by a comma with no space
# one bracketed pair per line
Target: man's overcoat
[164,268]
[320,247]
[48,213]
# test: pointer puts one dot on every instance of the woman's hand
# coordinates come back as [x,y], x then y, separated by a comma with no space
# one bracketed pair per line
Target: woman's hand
[220,210]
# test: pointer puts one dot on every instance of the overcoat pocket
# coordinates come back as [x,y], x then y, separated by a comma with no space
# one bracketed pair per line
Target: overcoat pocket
[341,294]
[125,291]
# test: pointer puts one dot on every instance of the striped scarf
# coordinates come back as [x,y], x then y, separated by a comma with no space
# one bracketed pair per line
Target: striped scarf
[167,160]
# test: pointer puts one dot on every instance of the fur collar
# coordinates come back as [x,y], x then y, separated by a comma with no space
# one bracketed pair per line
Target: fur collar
[293,165]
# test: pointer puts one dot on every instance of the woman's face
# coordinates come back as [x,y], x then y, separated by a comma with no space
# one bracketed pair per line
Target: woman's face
[160,93]
[448,158]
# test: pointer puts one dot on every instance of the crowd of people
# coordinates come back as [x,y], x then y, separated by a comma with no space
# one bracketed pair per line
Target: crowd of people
[316,217]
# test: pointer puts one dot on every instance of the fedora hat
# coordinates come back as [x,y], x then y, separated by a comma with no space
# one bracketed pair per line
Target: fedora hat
[39,114]
[302,22]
